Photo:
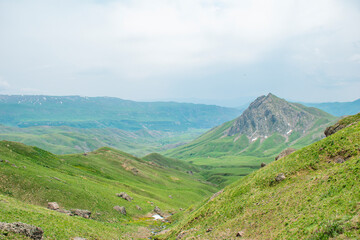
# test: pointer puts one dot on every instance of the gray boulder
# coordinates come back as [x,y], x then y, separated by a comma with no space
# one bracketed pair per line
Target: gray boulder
[120,209]
[124,196]
[53,206]
[81,213]
[30,231]
[280,177]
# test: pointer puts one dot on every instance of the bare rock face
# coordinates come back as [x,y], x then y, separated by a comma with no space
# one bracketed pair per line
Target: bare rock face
[30,231]
[53,206]
[268,115]
[81,213]
[280,177]
[121,210]
[124,196]
[285,153]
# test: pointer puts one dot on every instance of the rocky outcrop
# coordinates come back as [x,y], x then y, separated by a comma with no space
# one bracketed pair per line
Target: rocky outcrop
[30,231]
[81,213]
[268,115]
[121,210]
[124,196]
[157,210]
[285,153]
[53,206]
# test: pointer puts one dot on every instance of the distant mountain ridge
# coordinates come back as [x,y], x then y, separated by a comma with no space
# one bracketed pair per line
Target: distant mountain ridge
[104,112]
[338,108]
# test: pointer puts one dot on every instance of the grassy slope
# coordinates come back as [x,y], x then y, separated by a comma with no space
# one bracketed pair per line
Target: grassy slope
[319,199]
[88,182]
[66,140]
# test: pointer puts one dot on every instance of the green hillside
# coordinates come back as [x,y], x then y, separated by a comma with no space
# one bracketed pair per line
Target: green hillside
[318,198]
[238,147]
[66,140]
[31,177]
[107,112]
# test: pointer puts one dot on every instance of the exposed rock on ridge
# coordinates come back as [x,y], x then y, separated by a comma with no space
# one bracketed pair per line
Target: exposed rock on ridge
[269,114]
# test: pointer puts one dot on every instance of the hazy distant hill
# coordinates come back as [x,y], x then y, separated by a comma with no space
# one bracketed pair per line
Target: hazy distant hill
[338,108]
[103,112]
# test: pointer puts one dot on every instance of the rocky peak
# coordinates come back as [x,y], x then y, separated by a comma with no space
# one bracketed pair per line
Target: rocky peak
[270,114]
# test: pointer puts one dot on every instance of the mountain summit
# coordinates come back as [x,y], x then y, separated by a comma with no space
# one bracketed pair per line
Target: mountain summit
[269,114]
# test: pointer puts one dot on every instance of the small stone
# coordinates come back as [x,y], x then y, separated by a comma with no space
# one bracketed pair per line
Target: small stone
[24,167]
[190,172]
[14,165]
[53,206]
[263,165]
[240,234]
[79,238]
[7,161]
[138,207]
[120,209]
[280,177]
[209,230]
[170,196]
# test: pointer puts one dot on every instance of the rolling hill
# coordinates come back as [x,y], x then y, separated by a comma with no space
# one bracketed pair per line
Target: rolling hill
[107,112]
[268,126]
[31,177]
[311,194]
[66,140]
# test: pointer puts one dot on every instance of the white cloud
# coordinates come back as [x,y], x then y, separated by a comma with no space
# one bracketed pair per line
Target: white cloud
[143,42]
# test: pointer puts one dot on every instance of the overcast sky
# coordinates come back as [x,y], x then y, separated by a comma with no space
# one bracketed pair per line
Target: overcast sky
[223,52]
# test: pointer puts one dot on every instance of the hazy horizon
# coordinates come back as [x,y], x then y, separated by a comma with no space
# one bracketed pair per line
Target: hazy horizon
[213,52]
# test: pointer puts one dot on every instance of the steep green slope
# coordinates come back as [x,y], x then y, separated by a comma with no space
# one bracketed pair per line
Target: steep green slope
[318,198]
[66,140]
[103,112]
[90,181]
[338,108]
[267,127]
